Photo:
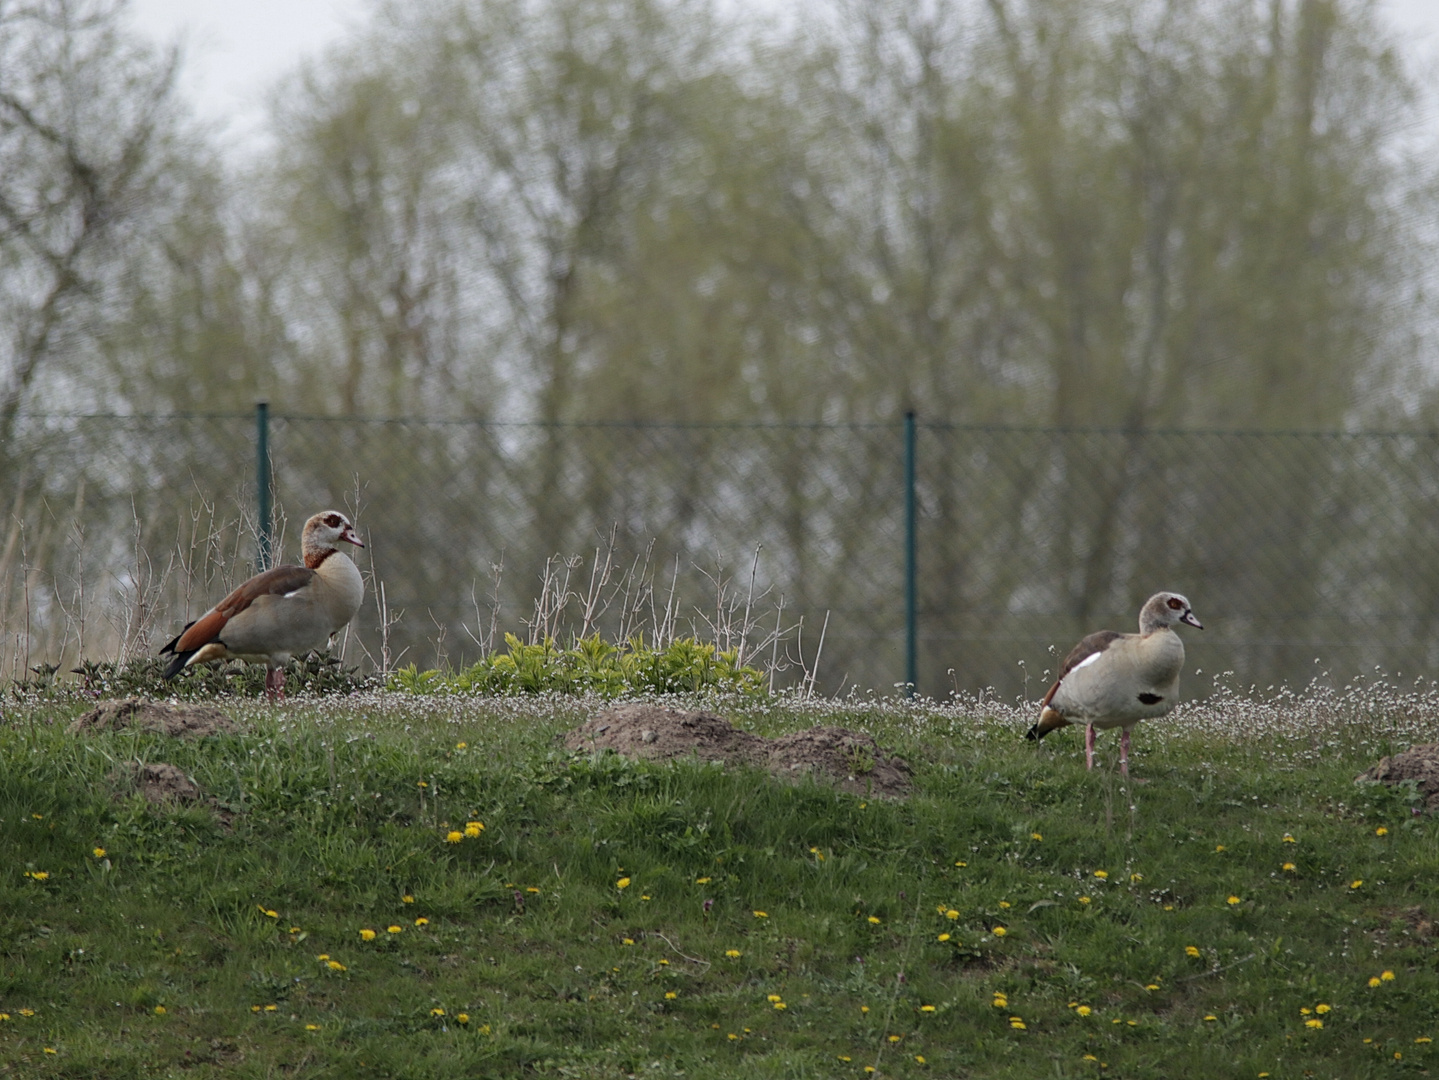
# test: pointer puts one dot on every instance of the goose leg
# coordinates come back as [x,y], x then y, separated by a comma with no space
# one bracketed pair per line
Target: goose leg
[1089,746]
[1124,752]
[275,684]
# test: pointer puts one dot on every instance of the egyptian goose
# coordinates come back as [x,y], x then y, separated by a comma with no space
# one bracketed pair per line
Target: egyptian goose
[282,612]
[1115,680]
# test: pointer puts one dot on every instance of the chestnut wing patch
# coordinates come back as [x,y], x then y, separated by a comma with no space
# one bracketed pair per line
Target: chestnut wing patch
[1089,647]
[280,581]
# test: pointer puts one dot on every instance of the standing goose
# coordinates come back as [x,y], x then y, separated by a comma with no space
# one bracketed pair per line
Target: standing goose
[1115,680]
[282,612]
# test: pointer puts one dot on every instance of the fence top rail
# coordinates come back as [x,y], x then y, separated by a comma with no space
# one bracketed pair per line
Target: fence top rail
[749,425]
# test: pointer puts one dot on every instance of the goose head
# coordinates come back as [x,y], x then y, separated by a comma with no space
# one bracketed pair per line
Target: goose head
[323,532]
[1165,609]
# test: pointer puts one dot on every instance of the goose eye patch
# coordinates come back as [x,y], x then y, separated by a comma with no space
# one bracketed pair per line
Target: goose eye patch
[1175,604]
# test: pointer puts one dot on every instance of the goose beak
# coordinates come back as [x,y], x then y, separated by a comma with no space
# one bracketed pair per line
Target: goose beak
[1189,617]
[349,536]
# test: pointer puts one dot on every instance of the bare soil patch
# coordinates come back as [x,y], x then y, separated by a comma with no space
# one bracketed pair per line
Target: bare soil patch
[1418,763]
[179,721]
[850,760]
[160,782]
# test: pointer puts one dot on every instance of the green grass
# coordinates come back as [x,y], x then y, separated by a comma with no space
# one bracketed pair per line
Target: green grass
[527,930]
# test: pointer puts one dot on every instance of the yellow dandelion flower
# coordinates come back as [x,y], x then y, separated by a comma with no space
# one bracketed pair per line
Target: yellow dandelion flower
[703,880]
[462,1018]
[733,1036]
[1101,874]
[951,914]
[670,995]
[460,745]
[454,836]
[99,853]
[407,899]
[961,864]
[780,1005]
[268,912]
[1316,1024]
[1381,831]
[1090,1057]
[894,1038]
[254,1008]
[919,1058]
[1036,836]
[1424,1039]
[1135,879]
[437,1012]
[335,965]
[367,934]
[1084,1010]
[1288,839]
[1152,986]
[394,929]
[622,883]
[1014,1022]
[1288,868]
[1232,900]
[926,1008]
[1190,950]
[1398,1056]
[51,1050]
[874,919]
[1210,1018]
[1004,903]
[1374,980]
[628,941]
[869,1068]
[484,1029]
[272,1008]
[943,937]
[1219,848]
[1356,883]
[312,1027]
[999,931]
[1304,1010]
[159,1010]
[27,1012]
[473,829]
[1387,976]
[761,914]
[864,1008]
[422,921]
[1321,1008]
[844,1057]
[773,998]
[1084,900]
[733,954]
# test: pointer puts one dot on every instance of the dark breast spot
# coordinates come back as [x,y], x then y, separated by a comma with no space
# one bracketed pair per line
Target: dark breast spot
[1150,699]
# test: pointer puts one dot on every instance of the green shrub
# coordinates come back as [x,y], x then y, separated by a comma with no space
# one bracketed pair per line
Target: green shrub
[591,666]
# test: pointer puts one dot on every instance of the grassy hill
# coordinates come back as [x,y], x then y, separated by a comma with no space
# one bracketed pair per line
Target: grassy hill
[1246,911]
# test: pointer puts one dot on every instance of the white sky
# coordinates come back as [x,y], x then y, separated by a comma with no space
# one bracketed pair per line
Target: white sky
[237,49]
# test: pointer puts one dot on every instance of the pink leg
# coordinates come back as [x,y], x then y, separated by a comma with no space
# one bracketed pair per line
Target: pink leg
[1089,746]
[1124,752]
[275,685]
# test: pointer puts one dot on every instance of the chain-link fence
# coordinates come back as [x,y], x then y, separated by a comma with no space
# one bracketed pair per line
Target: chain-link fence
[1302,553]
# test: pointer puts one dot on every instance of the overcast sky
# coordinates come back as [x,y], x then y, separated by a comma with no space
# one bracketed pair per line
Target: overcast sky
[236,49]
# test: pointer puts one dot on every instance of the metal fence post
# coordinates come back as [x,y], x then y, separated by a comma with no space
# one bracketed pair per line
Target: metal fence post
[262,478]
[911,590]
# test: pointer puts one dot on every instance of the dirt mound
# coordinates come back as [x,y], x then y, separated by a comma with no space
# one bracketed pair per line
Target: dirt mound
[1418,763]
[162,783]
[850,760]
[180,721]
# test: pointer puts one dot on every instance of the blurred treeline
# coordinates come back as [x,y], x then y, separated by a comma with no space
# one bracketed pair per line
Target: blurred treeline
[1135,212]
[1130,215]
